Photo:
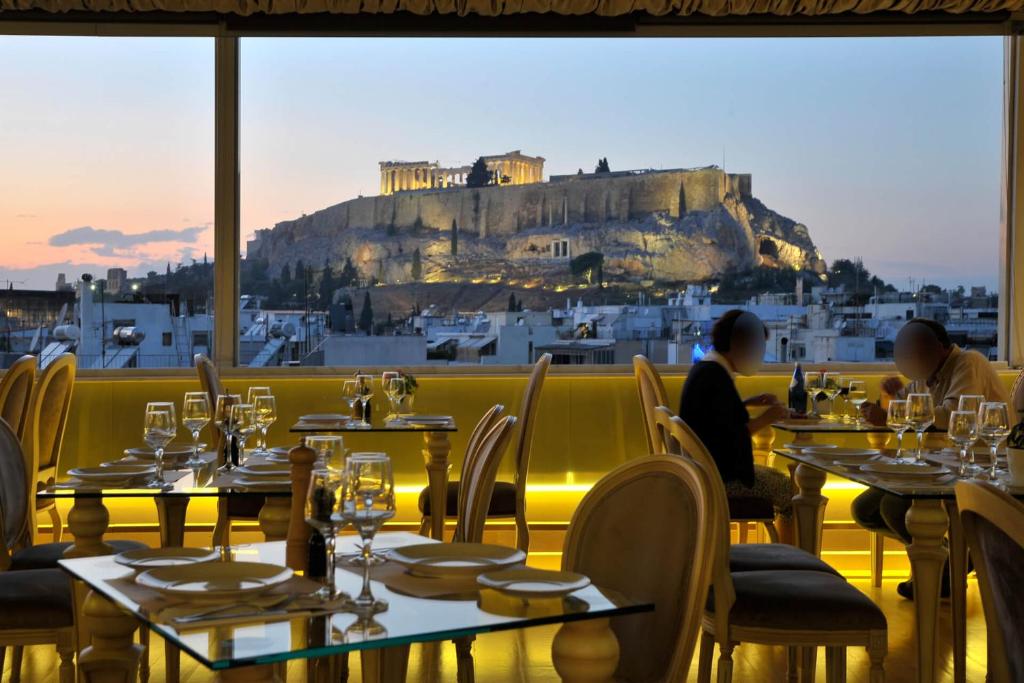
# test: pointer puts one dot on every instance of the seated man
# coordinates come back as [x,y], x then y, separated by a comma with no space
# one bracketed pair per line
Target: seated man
[925,354]
[714,410]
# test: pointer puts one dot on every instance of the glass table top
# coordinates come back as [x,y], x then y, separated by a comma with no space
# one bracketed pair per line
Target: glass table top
[301,427]
[811,426]
[279,635]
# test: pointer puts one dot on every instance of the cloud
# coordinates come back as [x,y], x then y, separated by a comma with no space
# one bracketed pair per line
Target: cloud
[109,241]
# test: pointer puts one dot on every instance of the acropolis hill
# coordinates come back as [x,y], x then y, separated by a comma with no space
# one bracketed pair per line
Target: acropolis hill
[664,225]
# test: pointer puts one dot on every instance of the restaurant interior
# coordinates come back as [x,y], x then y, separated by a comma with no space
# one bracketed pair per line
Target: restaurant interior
[260,528]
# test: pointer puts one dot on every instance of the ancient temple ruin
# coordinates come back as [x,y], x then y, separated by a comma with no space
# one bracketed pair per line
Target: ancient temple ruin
[512,168]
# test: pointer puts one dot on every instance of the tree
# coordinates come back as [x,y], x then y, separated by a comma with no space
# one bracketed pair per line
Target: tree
[286,275]
[602,166]
[417,265]
[455,238]
[366,315]
[587,266]
[326,285]
[479,175]
[512,302]
[349,274]
[579,172]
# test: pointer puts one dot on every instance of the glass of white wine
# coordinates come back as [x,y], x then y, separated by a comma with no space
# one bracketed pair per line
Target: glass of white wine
[364,389]
[921,416]
[993,427]
[857,395]
[971,403]
[896,420]
[830,385]
[243,425]
[963,431]
[195,415]
[812,382]
[265,407]
[159,429]
[261,442]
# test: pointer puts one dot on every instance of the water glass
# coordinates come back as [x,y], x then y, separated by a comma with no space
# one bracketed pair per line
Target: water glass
[243,425]
[394,388]
[195,415]
[330,453]
[350,395]
[367,501]
[159,429]
[920,416]
[993,427]
[261,446]
[320,508]
[963,431]
[896,420]
[364,389]
[265,407]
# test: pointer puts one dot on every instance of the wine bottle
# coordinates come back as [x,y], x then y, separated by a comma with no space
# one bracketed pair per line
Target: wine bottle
[316,560]
[797,391]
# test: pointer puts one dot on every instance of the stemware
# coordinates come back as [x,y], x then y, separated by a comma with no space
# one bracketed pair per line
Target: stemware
[265,407]
[243,425]
[350,395]
[367,501]
[394,388]
[330,452]
[364,390]
[857,395]
[812,382]
[896,420]
[963,431]
[993,427]
[159,429]
[320,507]
[195,415]
[920,416]
[222,419]
[261,441]
[830,385]
[972,403]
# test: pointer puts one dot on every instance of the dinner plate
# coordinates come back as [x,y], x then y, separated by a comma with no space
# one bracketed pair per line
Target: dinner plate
[455,559]
[263,484]
[904,469]
[264,471]
[150,558]
[800,447]
[428,419]
[527,582]
[214,581]
[113,472]
[324,417]
[836,453]
[173,451]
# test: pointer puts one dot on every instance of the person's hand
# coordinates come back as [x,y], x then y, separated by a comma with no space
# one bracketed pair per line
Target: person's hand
[763,400]
[873,413]
[892,386]
[776,412]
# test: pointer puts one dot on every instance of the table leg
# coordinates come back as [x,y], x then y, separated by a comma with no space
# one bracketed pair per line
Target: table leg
[274,517]
[113,656]
[805,438]
[263,673]
[585,651]
[878,440]
[170,512]
[435,457]
[88,521]
[809,508]
[958,594]
[385,665]
[927,523]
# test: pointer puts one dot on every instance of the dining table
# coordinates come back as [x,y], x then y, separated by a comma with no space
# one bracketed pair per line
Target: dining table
[252,643]
[932,516]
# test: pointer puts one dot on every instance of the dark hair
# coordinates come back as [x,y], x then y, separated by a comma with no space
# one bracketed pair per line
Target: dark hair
[936,328]
[721,331]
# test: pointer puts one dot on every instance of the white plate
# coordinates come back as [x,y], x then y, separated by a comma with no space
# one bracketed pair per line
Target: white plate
[214,581]
[150,558]
[904,469]
[835,453]
[324,417]
[114,472]
[455,559]
[264,471]
[429,419]
[172,451]
[800,447]
[527,582]
[263,484]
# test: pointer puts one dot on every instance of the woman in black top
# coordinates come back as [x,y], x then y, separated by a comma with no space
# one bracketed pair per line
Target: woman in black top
[712,407]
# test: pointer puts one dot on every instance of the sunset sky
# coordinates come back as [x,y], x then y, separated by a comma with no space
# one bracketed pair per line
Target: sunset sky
[106,144]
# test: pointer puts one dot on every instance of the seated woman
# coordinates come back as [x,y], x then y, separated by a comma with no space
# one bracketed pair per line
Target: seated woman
[712,407]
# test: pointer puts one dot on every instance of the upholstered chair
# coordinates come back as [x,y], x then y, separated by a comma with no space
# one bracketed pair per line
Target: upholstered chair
[16,393]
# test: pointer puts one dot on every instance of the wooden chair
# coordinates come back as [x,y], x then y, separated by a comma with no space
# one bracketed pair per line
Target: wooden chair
[44,433]
[799,609]
[679,439]
[619,537]
[994,527]
[742,509]
[509,498]
[16,393]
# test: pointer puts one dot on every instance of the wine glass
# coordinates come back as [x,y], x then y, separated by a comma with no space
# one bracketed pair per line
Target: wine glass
[857,395]
[243,425]
[159,429]
[830,384]
[222,419]
[364,389]
[195,415]
[896,420]
[963,431]
[320,507]
[971,402]
[394,388]
[261,443]
[812,382]
[386,377]
[265,407]
[993,427]
[367,501]
[350,395]
[330,452]
[920,416]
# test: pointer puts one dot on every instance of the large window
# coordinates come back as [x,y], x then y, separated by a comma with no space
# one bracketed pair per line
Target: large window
[106,199]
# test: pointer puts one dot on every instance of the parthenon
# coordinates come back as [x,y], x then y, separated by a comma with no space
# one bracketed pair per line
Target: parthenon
[512,168]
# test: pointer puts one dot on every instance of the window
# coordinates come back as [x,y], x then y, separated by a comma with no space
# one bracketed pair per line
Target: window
[106,197]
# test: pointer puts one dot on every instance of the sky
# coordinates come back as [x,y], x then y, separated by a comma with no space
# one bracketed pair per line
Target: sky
[888,149]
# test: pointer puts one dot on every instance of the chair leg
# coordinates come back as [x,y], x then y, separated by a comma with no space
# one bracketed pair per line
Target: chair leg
[66,653]
[792,664]
[522,531]
[17,652]
[707,653]
[424,526]
[725,662]
[773,532]
[58,525]
[744,528]
[3,657]
[876,652]
[464,658]
[172,663]
[877,558]
[222,529]
[835,664]
[144,660]
[808,664]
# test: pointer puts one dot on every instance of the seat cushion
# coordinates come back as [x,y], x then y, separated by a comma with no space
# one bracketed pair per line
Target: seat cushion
[759,557]
[800,600]
[503,500]
[45,555]
[37,598]
[750,507]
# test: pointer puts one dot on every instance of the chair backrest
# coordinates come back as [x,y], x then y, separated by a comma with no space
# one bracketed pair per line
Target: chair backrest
[16,393]
[527,425]
[14,491]
[1017,394]
[476,489]
[48,414]
[209,381]
[645,530]
[652,394]
[994,526]
[483,426]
